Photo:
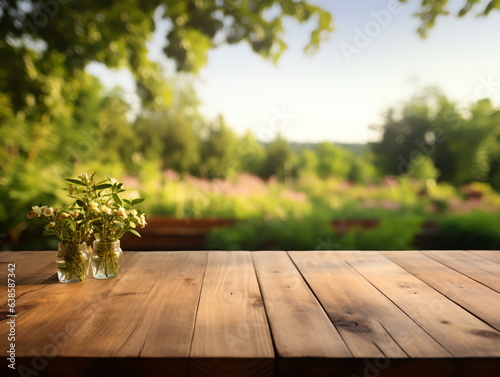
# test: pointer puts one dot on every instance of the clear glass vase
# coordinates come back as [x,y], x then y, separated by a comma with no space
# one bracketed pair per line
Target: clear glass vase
[106,259]
[72,262]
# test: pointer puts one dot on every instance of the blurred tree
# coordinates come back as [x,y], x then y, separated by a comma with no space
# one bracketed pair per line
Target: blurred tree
[36,154]
[422,168]
[494,177]
[334,161]
[307,162]
[406,134]
[218,151]
[475,144]
[278,159]
[430,10]
[183,123]
[44,43]
[181,149]
[251,154]
[363,170]
[149,127]
[462,144]
[119,141]
[445,124]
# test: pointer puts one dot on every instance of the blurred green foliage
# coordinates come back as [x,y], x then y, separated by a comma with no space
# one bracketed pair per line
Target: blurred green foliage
[472,231]
[314,233]
[45,46]
[431,10]
[432,137]
[393,233]
[306,234]
[56,120]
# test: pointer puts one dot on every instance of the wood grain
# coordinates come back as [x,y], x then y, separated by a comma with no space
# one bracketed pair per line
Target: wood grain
[491,255]
[306,330]
[57,314]
[432,311]
[177,294]
[32,267]
[473,266]
[370,324]
[273,313]
[108,332]
[466,292]
[231,321]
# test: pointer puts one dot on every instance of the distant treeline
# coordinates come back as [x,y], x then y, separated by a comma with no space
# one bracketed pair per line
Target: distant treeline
[429,137]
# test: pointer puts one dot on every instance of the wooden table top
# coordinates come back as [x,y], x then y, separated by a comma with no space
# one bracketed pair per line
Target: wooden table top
[261,313]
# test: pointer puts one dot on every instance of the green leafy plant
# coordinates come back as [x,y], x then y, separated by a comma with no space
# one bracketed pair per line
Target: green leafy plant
[109,214]
[72,228]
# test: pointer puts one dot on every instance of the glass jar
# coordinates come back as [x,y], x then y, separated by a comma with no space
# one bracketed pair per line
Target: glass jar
[72,262]
[106,259]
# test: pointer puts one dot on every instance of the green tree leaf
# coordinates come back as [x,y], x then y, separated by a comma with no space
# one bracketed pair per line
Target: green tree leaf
[103,186]
[133,231]
[137,201]
[74,181]
[117,200]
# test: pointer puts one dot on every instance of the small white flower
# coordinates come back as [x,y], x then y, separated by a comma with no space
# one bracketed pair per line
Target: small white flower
[48,211]
[94,206]
[84,177]
[133,212]
[121,212]
[37,210]
[31,215]
[63,216]
[106,210]
[142,221]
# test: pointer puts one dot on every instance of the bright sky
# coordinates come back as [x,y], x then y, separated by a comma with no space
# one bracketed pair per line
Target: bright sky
[335,96]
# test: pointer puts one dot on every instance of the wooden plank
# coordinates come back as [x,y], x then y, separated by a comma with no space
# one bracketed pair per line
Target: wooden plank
[231,322]
[148,310]
[160,296]
[473,266]
[172,327]
[55,313]
[301,329]
[144,293]
[144,321]
[466,292]
[370,324]
[5,256]
[119,317]
[31,268]
[492,255]
[461,333]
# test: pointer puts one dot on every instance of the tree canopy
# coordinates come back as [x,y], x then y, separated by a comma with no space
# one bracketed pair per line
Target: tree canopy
[45,44]
[462,144]
[431,10]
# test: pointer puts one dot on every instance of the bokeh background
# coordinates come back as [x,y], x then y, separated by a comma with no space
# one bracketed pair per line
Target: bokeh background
[258,124]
